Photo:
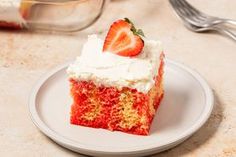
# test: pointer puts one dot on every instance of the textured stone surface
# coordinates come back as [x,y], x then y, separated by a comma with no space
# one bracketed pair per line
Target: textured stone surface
[25,56]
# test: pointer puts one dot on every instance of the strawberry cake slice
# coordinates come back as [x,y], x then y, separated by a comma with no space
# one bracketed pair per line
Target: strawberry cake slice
[117,84]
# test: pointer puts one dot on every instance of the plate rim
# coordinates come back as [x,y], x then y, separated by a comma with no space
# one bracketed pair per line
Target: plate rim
[75,146]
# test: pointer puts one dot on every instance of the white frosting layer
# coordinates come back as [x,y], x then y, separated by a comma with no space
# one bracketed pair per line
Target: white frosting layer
[9,11]
[113,70]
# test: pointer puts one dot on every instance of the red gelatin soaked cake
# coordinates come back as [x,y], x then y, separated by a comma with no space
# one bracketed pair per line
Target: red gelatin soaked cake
[117,84]
[14,13]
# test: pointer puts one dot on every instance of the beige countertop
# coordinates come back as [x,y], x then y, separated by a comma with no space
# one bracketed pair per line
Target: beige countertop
[24,57]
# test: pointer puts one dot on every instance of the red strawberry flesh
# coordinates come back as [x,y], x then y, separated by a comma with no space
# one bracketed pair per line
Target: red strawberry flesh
[121,40]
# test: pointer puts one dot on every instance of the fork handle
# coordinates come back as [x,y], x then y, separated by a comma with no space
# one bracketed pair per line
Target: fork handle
[229,21]
[225,31]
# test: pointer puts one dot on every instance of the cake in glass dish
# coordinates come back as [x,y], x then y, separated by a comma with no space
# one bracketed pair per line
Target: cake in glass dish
[13,13]
[117,84]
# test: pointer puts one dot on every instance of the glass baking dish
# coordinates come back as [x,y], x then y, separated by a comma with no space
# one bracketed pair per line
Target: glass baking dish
[50,15]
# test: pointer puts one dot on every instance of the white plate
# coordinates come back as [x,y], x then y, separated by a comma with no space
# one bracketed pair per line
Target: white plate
[187,104]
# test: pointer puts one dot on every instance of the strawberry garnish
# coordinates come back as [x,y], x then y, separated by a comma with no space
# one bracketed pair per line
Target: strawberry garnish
[124,39]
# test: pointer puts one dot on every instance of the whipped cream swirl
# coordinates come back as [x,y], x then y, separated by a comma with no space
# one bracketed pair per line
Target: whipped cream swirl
[106,68]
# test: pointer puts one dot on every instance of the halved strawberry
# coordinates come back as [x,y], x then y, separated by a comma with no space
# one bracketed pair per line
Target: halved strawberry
[124,39]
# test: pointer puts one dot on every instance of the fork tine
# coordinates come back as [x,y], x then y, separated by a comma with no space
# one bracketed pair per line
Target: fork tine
[198,14]
[178,8]
[189,12]
[186,13]
[182,8]
[187,5]
[183,14]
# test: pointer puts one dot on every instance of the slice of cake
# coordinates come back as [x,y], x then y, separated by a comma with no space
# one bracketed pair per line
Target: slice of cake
[15,13]
[117,84]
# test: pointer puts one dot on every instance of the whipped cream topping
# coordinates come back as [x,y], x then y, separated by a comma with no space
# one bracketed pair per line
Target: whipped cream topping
[106,68]
[10,11]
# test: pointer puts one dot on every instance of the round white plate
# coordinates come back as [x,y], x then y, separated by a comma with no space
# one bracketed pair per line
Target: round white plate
[187,104]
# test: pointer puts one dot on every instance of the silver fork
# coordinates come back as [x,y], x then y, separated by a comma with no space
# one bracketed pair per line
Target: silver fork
[198,21]
[199,18]
[213,28]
